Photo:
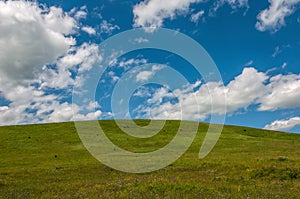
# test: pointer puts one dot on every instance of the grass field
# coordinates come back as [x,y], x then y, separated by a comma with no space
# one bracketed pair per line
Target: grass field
[49,161]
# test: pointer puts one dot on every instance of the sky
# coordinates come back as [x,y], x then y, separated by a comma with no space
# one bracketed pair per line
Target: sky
[48,49]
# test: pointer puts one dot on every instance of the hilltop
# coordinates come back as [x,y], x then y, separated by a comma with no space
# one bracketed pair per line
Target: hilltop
[49,161]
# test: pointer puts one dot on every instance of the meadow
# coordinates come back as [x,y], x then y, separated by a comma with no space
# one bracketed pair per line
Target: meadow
[50,161]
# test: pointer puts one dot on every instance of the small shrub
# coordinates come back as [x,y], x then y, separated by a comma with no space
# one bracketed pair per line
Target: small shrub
[282,159]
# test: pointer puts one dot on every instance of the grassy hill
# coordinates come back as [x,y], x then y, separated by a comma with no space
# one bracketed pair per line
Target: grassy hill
[49,161]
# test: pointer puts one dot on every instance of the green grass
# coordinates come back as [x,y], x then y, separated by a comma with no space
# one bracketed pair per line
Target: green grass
[49,161]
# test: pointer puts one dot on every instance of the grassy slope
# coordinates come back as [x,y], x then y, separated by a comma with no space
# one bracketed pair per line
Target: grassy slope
[48,161]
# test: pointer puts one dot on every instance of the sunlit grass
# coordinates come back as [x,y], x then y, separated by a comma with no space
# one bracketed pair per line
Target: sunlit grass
[49,161]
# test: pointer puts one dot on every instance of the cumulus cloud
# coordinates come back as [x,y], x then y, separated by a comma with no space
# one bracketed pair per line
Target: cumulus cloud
[273,18]
[251,87]
[281,125]
[79,59]
[150,14]
[283,93]
[31,36]
[37,55]
[245,89]
[241,92]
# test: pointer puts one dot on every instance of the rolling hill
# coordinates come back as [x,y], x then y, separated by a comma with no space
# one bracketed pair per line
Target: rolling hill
[50,161]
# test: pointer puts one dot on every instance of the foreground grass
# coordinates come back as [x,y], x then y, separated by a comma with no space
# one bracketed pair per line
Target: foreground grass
[49,161]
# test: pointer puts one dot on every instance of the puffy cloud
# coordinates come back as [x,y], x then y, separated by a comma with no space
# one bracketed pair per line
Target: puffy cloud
[30,37]
[144,76]
[89,30]
[150,14]
[70,112]
[30,105]
[245,89]
[3,108]
[37,55]
[281,125]
[79,59]
[83,56]
[249,88]
[273,18]
[283,93]
[241,92]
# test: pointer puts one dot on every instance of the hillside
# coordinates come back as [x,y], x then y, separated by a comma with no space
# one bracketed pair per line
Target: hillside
[49,161]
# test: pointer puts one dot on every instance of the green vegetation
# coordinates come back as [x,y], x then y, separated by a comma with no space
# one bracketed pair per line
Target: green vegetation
[49,161]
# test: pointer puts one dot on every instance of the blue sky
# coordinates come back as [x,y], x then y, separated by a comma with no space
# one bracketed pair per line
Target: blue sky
[46,46]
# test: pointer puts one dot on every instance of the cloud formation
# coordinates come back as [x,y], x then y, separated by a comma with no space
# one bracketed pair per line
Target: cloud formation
[282,125]
[234,4]
[145,75]
[283,93]
[251,87]
[30,37]
[273,18]
[151,14]
[37,55]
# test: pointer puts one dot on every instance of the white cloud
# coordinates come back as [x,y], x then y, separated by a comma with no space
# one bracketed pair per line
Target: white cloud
[81,58]
[144,76]
[108,28]
[195,17]
[281,125]
[113,76]
[84,56]
[31,36]
[245,89]
[37,53]
[249,88]
[283,93]
[273,18]
[3,108]
[150,14]
[89,30]
[126,64]
[80,15]
[234,4]
[241,92]
[32,106]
